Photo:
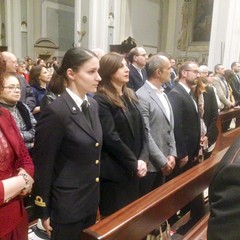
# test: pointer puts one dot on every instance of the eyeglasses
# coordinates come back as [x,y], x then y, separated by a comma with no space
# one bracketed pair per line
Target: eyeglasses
[194,71]
[13,88]
[143,55]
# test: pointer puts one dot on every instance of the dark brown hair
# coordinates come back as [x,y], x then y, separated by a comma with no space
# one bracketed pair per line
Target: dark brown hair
[228,74]
[74,58]
[109,64]
[56,84]
[34,75]
[200,87]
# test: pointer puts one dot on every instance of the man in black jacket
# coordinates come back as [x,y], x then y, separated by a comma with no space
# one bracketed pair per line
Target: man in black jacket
[137,73]
[224,197]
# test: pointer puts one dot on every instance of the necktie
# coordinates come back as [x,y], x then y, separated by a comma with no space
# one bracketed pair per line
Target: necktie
[85,111]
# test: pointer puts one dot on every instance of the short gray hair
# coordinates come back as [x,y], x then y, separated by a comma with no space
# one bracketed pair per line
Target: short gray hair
[155,62]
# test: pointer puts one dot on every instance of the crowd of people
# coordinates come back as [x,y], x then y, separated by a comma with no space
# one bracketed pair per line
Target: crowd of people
[102,131]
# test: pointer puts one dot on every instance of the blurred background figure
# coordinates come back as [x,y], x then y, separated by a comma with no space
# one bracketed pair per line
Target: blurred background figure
[137,73]
[11,68]
[55,88]
[39,79]
[99,52]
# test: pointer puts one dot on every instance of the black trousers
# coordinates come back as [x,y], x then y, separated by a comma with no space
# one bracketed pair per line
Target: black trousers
[71,231]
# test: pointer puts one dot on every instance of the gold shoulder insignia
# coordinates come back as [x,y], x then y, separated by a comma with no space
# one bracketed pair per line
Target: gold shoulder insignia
[39,202]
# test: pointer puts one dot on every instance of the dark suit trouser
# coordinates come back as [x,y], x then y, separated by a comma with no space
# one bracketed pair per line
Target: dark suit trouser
[196,206]
[71,231]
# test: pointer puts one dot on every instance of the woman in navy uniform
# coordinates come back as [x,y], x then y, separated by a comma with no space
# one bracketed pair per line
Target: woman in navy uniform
[67,151]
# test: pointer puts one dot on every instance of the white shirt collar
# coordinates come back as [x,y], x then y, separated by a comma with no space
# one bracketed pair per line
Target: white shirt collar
[188,90]
[76,98]
[159,90]
[139,69]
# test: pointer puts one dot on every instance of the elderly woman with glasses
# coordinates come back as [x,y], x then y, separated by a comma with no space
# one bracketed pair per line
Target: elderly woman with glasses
[10,95]
[16,171]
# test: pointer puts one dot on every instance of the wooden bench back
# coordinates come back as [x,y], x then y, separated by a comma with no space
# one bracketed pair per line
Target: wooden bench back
[225,139]
[139,218]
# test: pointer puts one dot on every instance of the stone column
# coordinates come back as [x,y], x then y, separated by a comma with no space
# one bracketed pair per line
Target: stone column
[98,24]
[13,26]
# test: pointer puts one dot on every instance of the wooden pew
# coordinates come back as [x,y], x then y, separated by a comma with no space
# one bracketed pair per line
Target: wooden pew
[139,218]
[199,231]
[225,139]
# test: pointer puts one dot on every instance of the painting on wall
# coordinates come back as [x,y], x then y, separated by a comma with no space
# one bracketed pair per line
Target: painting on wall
[196,25]
[202,21]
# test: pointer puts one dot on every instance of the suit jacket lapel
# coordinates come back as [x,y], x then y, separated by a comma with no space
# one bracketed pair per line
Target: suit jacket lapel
[137,74]
[155,98]
[78,117]
[187,95]
[130,123]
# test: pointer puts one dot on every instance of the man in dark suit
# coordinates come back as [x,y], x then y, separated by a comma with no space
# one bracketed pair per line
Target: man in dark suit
[224,197]
[235,82]
[137,73]
[158,117]
[186,126]
[186,119]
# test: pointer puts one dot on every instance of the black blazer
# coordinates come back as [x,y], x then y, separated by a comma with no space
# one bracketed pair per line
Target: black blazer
[186,123]
[119,159]
[210,115]
[235,85]
[66,156]
[135,79]
[224,197]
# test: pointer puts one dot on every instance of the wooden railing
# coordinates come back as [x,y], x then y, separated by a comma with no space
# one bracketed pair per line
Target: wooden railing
[225,139]
[141,217]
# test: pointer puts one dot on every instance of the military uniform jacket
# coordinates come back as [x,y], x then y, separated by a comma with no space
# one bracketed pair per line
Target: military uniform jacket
[66,156]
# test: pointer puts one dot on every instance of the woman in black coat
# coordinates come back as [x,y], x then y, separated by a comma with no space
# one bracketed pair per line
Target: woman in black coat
[124,140]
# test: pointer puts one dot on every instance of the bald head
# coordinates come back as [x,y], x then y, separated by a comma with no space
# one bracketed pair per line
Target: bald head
[158,67]
[11,62]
